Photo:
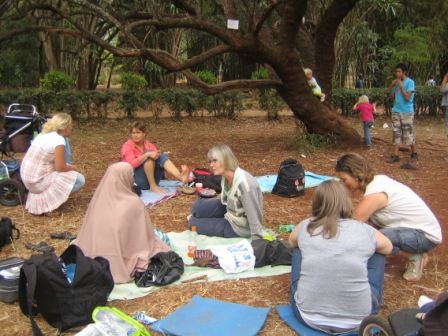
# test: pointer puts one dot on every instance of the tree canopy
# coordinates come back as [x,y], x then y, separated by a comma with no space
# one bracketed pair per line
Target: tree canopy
[233,38]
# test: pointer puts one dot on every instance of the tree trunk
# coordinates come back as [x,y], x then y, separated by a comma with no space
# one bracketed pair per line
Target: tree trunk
[325,39]
[83,73]
[50,57]
[317,117]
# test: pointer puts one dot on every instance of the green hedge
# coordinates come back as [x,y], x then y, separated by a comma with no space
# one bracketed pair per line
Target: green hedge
[427,99]
[98,104]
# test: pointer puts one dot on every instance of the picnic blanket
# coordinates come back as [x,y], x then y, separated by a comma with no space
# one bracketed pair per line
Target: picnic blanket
[179,242]
[287,315]
[312,180]
[210,317]
[151,198]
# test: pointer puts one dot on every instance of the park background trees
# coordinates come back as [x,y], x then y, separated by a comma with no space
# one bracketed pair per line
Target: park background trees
[165,41]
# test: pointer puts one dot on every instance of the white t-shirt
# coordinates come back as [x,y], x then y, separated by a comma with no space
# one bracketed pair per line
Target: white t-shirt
[404,208]
[49,141]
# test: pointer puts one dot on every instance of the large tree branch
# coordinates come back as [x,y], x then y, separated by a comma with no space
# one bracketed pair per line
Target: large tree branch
[122,52]
[265,15]
[324,40]
[195,60]
[231,85]
[293,11]
[190,23]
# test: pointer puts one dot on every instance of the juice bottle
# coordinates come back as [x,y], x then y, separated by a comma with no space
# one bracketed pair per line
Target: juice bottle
[192,244]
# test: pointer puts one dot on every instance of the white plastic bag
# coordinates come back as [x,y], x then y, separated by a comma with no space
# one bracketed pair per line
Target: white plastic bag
[235,258]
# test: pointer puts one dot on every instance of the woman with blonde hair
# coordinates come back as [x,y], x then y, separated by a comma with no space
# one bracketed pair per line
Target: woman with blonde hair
[396,209]
[338,268]
[44,170]
[366,114]
[238,212]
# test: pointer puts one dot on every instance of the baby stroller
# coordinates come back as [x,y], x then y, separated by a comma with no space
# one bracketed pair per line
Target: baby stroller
[21,124]
[430,320]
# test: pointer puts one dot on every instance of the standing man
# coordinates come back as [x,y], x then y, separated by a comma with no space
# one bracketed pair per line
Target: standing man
[402,89]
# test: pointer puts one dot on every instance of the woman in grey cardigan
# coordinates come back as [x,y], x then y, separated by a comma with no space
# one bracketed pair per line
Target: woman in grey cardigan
[238,211]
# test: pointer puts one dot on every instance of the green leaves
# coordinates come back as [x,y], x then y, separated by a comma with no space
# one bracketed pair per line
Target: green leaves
[57,81]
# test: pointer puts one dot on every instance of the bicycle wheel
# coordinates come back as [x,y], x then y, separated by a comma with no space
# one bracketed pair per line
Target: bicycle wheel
[12,192]
[375,325]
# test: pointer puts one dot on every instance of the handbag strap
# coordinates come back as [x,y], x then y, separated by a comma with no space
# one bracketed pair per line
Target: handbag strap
[28,287]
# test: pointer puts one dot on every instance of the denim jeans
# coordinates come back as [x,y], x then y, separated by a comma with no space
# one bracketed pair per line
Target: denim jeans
[208,217]
[159,173]
[408,240]
[68,151]
[367,136]
[375,275]
[79,183]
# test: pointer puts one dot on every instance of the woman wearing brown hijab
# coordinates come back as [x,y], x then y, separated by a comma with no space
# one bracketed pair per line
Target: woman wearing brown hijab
[117,227]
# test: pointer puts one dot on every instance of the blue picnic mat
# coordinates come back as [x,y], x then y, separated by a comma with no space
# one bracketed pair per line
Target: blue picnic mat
[287,315]
[152,198]
[312,180]
[209,317]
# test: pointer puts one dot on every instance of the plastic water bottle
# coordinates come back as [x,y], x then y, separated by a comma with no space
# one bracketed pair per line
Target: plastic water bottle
[192,244]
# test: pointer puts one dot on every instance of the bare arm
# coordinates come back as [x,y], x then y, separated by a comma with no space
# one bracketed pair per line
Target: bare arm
[368,205]
[444,85]
[293,237]
[383,244]
[59,160]
[407,94]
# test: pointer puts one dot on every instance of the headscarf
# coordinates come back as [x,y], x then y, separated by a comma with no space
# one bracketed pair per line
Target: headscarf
[117,226]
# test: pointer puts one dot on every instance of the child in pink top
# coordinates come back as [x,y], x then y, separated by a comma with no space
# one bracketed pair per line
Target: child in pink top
[366,114]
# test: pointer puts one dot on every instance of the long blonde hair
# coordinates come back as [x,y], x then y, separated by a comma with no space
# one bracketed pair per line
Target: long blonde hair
[57,123]
[330,203]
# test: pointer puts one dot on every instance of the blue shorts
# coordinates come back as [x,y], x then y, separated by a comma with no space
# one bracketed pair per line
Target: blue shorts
[408,240]
[159,174]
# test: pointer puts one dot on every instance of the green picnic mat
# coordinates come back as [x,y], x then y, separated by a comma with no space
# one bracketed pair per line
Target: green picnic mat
[179,242]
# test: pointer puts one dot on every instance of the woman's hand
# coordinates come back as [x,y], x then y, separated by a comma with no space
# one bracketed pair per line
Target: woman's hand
[154,155]
[293,237]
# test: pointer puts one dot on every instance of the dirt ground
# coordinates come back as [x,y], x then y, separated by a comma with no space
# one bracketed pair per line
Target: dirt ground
[260,146]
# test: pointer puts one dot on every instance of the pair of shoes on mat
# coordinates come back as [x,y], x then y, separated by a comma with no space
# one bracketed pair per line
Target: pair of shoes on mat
[40,247]
[187,190]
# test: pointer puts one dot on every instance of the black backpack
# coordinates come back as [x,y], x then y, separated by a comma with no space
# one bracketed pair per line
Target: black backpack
[6,231]
[45,289]
[290,179]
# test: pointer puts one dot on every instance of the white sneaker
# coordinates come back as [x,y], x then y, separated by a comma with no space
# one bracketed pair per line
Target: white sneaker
[414,267]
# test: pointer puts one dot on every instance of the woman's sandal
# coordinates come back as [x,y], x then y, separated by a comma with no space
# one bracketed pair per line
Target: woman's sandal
[40,247]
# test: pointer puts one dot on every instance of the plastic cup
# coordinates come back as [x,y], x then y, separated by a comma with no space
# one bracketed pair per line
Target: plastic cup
[198,187]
